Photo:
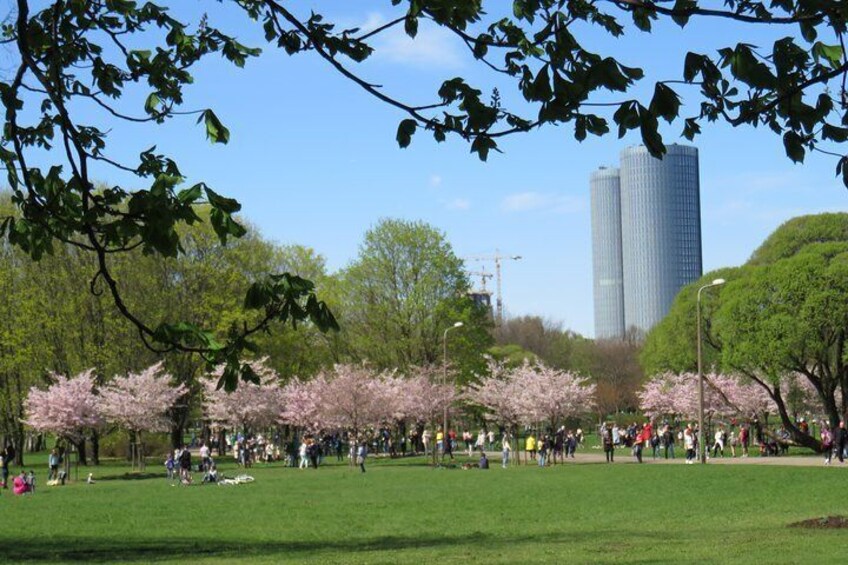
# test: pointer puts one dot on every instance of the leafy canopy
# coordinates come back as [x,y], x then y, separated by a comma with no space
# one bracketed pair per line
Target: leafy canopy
[80,63]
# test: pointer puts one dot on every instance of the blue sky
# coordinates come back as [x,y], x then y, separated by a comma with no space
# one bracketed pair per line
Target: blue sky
[314,161]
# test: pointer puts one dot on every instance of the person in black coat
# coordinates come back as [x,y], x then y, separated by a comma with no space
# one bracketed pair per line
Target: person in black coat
[840,440]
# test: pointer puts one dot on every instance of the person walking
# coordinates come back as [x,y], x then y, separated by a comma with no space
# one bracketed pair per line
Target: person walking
[530,446]
[733,441]
[361,454]
[718,445]
[304,461]
[185,466]
[5,458]
[840,440]
[505,449]
[744,440]
[668,441]
[608,443]
[689,444]
[53,465]
[827,443]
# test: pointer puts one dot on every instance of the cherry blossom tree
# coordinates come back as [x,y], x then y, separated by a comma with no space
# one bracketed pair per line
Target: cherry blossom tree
[139,402]
[355,398]
[425,395]
[251,406]
[672,394]
[496,393]
[550,395]
[300,404]
[67,408]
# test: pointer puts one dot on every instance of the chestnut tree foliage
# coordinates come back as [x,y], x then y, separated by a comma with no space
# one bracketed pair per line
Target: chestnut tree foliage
[781,322]
[132,62]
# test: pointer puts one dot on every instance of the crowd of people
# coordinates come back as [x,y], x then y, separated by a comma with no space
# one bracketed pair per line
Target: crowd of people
[732,439]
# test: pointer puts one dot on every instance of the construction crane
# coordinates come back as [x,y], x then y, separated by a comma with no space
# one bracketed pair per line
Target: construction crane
[483,276]
[497,258]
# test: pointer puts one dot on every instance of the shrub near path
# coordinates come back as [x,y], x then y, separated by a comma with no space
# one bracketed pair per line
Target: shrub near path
[401,513]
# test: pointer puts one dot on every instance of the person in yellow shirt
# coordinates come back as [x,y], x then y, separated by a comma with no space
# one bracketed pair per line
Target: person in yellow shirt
[440,441]
[530,446]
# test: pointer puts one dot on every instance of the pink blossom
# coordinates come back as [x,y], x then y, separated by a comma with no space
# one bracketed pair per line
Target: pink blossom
[140,402]
[250,406]
[66,408]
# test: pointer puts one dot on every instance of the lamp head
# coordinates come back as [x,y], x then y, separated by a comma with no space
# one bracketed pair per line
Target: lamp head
[718,282]
[458,325]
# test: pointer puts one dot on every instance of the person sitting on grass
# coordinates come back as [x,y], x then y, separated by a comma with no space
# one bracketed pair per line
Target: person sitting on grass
[211,475]
[484,461]
[20,485]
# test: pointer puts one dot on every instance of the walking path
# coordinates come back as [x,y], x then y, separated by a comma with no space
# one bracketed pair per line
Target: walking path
[625,456]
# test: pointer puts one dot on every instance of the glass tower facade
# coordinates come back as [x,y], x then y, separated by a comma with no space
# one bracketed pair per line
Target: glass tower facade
[608,284]
[660,229]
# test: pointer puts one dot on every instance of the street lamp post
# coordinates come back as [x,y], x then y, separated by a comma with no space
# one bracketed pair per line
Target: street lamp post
[445,378]
[702,454]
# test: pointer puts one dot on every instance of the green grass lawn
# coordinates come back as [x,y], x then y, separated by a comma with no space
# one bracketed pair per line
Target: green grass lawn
[402,512]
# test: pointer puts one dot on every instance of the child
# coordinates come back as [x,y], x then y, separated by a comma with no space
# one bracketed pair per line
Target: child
[170,465]
[30,480]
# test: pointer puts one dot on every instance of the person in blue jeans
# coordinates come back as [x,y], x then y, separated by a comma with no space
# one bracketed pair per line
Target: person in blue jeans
[505,449]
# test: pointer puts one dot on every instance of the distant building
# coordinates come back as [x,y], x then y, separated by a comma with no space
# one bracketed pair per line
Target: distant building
[659,236]
[483,299]
[606,254]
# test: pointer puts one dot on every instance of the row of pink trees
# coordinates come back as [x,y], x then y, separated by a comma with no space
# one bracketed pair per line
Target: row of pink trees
[137,403]
[354,398]
[725,396]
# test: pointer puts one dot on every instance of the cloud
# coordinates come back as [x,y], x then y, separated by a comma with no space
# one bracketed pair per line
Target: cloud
[531,201]
[458,204]
[435,181]
[433,46]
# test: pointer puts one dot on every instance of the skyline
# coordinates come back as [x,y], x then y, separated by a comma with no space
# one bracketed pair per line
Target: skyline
[314,161]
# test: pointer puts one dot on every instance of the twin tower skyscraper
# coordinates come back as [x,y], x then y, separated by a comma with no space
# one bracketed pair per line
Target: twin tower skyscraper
[646,237]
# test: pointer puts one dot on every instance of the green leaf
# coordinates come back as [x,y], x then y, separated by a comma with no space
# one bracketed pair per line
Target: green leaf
[831,53]
[842,167]
[227,205]
[258,296]
[410,26]
[215,130]
[835,133]
[151,103]
[481,145]
[190,195]
[794,145]
[405,131]
[691,128]
[665,103]
[682,10]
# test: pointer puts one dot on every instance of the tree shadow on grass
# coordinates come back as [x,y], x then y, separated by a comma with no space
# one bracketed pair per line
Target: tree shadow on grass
[136,476]
[96,550]
[151,550]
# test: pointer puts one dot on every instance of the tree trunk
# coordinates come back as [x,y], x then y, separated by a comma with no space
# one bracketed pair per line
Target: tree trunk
[95,447]
[177,430]
[81,458]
